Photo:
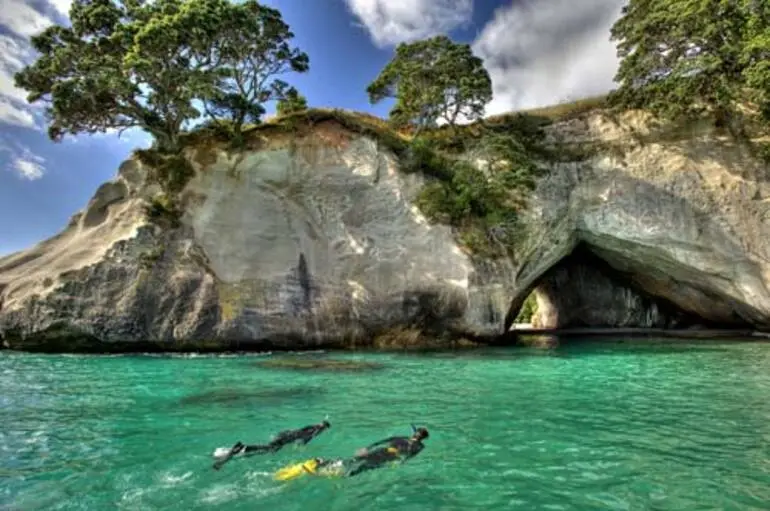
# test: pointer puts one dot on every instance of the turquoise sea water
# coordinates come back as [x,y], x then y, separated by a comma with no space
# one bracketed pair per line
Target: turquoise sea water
[640,426]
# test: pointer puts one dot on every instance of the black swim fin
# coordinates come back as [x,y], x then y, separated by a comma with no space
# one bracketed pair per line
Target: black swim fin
[238,447]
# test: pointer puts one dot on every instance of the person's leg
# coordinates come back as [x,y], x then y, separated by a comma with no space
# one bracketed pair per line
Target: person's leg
[365,466]
[258,449]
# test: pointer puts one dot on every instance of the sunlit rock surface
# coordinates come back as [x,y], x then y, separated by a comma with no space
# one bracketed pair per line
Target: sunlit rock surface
[307,242]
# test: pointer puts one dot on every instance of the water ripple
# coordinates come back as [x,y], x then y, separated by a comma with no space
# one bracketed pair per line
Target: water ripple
[597,426]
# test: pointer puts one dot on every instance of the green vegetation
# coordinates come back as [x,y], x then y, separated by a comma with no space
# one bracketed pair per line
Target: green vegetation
[482,199]
[292,103]
[254,49]
[684,59]
[163,211]
[555,113]
[433,79]
[481,172]
[302,122]
[143,64]
[528,310]
[164,65]
[171,171]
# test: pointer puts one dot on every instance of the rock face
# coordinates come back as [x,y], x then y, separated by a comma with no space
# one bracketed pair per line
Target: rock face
[305,242]
[584,291]
[683,213]
[312,240]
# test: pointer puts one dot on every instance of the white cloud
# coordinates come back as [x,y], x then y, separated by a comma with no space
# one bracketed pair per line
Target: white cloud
[29,166]
[13,54]
[21,160]
[390,22]
[11,114]
[22,19]
[18,21]
[62,7]
[546,52]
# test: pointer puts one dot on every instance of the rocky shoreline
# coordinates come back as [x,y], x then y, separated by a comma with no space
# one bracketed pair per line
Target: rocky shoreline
[393,341]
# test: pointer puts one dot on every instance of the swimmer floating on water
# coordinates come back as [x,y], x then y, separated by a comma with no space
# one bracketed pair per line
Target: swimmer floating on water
[397,448]
[303,435]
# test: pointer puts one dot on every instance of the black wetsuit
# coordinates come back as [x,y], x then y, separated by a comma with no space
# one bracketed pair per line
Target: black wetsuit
[303,435]
[283,438]
[394,448]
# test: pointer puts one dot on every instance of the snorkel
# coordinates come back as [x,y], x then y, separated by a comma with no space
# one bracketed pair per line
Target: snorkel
[419,434]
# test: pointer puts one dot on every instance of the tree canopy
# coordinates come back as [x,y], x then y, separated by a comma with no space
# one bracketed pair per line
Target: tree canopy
[292,102]
[156,65]
[431,80]
[681,58]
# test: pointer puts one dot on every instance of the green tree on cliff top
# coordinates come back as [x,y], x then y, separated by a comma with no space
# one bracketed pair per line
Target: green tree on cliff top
[431,80]
[292,102]
[132,63]
[253,46]
[684,57]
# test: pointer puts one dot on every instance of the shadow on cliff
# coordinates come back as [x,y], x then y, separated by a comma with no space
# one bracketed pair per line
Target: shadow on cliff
[628,199]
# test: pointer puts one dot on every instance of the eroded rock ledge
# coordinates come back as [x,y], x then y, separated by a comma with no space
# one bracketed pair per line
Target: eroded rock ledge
[683,212]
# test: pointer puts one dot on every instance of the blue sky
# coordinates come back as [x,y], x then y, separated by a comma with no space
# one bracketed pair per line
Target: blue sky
[538,52]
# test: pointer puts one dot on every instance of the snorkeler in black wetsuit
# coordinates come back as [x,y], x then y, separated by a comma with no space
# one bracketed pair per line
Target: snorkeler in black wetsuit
[303,435]
[395,448]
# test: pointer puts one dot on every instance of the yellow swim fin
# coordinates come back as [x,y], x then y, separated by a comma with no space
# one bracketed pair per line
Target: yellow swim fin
[296,470]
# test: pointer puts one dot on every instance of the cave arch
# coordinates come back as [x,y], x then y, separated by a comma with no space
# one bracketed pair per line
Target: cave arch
[585,286]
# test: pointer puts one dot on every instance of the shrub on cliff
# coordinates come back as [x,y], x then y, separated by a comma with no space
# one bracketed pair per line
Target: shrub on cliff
[148,64]
[293,102]
[431,80]
[679,59]
[480,194]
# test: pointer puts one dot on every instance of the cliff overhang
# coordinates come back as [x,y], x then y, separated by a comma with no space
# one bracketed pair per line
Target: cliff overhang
[682,212]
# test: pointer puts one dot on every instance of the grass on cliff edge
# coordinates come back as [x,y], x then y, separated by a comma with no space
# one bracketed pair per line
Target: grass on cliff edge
[446,200]
[379,128]
[300,123]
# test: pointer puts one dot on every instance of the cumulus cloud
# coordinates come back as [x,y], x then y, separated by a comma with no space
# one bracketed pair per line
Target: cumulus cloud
[18,21]
[29,166]
[12,114]
[390,22]
[62,6]
[544,52]
[21,161]
[22,19]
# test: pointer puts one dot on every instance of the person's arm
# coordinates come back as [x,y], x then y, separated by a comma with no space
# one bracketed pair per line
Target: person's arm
[381,442]
[308,433]
[363,451]
[414,450]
